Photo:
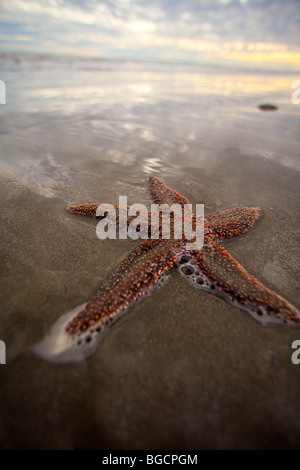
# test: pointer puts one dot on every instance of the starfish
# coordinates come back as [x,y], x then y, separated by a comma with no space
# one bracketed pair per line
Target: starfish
[74,336]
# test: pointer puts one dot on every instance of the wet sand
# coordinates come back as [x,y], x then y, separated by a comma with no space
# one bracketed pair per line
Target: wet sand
[183,369]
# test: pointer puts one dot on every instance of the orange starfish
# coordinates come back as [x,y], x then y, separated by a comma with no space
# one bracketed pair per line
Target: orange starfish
[212,268]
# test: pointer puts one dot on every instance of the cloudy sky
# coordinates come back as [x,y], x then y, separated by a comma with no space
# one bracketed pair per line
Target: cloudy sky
[252,31]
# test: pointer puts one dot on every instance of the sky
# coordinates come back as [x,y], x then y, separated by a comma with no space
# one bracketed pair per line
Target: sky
[252,32]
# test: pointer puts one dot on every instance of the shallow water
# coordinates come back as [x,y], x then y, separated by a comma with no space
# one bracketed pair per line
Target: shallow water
[183,369]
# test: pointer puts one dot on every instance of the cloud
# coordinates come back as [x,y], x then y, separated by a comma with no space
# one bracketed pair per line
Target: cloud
[191,30]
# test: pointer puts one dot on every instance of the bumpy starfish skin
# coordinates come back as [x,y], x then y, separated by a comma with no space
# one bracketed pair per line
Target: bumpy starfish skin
[141,270]
[213,263]
[232,222]
[212,269]
[86,209]
[91,211]
[162,194]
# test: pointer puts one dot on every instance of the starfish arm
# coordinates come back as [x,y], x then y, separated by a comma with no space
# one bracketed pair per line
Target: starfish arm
[143,269]
[215,270]
[232,222]
[90,210]
[162,194]
[86,209]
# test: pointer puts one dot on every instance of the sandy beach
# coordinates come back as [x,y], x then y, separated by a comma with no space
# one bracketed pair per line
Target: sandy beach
[183,369]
